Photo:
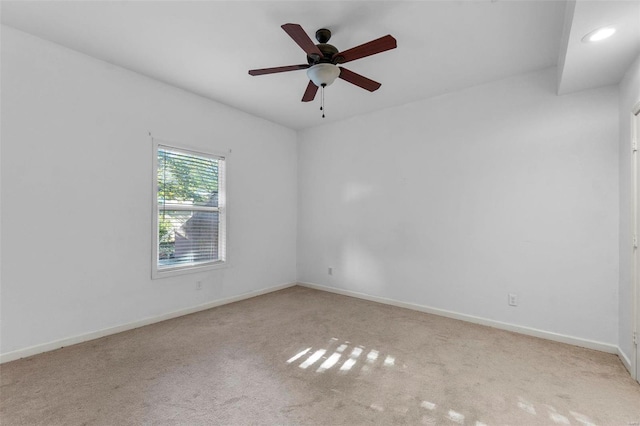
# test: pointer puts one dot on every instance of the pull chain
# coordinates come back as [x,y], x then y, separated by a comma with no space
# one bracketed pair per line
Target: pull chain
[322,100]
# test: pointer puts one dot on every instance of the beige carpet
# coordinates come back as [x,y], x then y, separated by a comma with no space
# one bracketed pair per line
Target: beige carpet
[301,356]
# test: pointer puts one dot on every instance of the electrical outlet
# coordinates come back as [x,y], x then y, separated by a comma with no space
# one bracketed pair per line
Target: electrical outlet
[330,270]
[513,299]
[198,285]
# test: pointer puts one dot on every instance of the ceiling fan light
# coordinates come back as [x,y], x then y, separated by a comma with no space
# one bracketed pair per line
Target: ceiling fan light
[323,74]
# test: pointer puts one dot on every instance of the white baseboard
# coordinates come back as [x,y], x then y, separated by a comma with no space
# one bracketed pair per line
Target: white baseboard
[50,346]
[625,360]
[576,341]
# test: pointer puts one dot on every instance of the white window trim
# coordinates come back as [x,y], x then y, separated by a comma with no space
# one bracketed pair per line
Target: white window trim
[222,209]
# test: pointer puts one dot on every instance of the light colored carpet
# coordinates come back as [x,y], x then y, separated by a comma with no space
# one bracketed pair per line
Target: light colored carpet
[300,356]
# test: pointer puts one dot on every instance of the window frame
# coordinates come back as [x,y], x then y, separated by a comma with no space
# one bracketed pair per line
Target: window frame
[222,262]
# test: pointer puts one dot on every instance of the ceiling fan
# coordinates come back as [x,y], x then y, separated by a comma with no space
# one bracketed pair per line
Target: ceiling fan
[323,59]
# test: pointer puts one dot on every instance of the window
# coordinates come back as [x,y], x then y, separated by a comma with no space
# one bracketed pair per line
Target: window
[189,213]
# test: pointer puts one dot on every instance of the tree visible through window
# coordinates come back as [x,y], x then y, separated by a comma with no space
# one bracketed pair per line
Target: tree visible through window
[190,210]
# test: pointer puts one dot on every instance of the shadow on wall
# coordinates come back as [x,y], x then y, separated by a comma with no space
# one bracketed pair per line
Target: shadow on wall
[368,256]
[355,263]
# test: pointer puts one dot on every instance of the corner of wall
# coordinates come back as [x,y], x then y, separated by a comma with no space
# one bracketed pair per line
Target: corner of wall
[564,42]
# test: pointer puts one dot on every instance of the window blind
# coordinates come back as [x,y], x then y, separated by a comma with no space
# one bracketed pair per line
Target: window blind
[190,208]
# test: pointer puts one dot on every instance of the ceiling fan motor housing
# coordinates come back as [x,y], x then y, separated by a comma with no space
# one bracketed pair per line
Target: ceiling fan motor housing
[327,50]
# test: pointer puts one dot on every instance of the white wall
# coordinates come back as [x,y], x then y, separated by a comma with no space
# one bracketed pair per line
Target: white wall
[76,194]
[629,96]
[455,201]
[449,202]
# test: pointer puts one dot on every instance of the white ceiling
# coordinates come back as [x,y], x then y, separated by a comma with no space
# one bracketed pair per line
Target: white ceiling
[207,47]
[586,65]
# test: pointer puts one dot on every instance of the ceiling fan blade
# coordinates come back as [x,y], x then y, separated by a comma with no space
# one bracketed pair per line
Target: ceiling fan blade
[310,93]
[381,44]
[278,69]
[298,35]
[359,80]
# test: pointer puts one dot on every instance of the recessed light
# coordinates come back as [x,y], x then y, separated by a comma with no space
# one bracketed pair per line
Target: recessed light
[599,34]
